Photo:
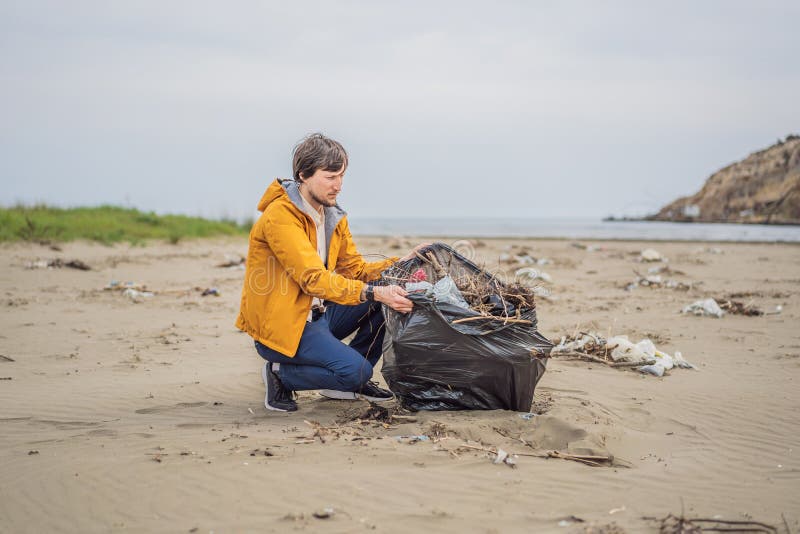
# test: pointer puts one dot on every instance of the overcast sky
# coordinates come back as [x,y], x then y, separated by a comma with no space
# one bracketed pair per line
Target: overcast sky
[519,109]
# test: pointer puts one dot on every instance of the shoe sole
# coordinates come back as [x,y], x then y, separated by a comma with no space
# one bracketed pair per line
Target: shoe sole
[349,395]
[266,395]
[373,399]
[339,395]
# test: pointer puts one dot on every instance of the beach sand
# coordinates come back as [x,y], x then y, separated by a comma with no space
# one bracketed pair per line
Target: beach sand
[149,417]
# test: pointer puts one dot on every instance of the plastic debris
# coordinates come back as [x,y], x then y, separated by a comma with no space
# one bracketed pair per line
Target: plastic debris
[654,279]
[678,360]
[420,288]
[651,255]
[445,290]
[412,439]
[622,350]
[418,276]
[527,416]
[575,345]
[664,362]
[212,291]
[655,370]
[135,295]
[232,262]
[706,308]
[57,264]
[115,285]
[502,457]
[778,309]
[587,248]
[619,351]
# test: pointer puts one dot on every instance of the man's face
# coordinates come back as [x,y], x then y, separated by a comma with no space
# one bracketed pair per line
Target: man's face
[324,186]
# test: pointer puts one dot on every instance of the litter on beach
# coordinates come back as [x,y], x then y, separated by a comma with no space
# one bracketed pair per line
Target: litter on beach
[232,262]
[651,255]
[619,351]
[656,281]
[704,308]
[137,296]
[133,290]
[58,263]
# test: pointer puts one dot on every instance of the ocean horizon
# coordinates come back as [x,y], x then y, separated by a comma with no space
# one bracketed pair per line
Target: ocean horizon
[574,228]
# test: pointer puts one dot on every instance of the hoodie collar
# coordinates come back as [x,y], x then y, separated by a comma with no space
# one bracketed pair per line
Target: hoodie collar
[281,186]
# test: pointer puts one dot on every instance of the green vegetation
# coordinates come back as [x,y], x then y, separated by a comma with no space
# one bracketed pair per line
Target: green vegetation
[107,224]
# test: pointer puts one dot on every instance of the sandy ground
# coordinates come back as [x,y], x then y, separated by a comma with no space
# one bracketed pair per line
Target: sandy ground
[148,416]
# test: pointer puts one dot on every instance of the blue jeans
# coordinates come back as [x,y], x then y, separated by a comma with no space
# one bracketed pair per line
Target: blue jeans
[322,361]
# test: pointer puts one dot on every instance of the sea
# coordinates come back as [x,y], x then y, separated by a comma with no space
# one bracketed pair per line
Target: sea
[574,228]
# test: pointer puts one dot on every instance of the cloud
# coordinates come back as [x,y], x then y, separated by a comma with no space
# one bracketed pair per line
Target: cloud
[193,107]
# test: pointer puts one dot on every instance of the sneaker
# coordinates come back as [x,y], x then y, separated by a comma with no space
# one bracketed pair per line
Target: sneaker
[369,391]
[277,398]
[336,394]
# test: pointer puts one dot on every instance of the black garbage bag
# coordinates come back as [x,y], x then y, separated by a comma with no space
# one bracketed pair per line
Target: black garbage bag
[432,364]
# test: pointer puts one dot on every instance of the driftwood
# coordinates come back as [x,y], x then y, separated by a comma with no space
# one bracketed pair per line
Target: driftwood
[672,524]
[596,359]
[591,460]
[735,307]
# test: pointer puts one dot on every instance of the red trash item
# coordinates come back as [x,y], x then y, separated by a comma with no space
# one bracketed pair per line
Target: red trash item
[418,276]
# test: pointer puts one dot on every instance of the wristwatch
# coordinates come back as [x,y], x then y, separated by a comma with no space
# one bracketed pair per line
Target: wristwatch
[369,294]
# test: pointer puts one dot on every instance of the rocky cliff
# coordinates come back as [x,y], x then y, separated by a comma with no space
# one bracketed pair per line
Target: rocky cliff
[762,188]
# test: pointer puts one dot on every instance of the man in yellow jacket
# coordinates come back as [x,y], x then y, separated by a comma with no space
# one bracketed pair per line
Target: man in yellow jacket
[306,286]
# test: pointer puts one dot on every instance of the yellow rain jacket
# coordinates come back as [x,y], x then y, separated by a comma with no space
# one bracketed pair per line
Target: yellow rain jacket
[284,270]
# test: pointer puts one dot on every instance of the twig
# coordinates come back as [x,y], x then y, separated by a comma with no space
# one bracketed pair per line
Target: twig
[440,271]
[610,363]
[580,356]
[631,364]
[735,522]
[478,317]
[593,461]
[506,434]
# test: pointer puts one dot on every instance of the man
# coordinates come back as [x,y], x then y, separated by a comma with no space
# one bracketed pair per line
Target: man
[306,287]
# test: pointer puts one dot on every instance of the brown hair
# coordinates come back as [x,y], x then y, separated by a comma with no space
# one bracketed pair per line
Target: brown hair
[316,152]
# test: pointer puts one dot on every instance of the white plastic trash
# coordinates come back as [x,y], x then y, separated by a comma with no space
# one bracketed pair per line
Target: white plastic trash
[707,308]
[650,254]
[445,290]
[654,369]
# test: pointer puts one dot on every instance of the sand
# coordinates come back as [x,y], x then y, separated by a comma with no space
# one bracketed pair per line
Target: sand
[148,417]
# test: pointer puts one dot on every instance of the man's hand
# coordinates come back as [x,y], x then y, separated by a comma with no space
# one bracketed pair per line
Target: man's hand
[394,297]
[413,253]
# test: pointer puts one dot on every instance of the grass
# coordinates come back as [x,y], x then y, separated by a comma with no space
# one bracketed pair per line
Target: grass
[107,224]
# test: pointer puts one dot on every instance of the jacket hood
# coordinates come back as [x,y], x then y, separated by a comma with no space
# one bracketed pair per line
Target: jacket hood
[288,187]
[285,187]
[276,190]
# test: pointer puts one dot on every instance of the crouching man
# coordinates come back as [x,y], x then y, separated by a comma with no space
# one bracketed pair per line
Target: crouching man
[306,287]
